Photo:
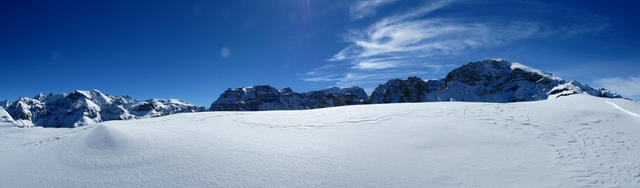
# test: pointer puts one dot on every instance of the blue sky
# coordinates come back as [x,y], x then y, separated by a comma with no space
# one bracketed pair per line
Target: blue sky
[194,50]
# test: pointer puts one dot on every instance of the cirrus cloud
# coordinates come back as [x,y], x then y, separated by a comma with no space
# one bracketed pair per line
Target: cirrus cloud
[365,8]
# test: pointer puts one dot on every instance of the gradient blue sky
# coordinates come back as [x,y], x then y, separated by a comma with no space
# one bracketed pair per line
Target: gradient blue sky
[194,50]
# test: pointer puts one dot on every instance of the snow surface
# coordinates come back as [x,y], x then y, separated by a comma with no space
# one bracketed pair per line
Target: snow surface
[573,141]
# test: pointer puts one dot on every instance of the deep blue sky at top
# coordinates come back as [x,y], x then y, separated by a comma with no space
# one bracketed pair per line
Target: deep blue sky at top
[194,50]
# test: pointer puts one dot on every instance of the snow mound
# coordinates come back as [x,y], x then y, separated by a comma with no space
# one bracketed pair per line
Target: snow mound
[108,139]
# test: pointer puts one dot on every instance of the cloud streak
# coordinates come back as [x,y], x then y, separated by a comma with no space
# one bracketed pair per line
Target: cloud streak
[365,8]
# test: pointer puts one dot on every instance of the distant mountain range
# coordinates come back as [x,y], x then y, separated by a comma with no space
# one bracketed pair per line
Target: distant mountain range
[483,81]
[79,108]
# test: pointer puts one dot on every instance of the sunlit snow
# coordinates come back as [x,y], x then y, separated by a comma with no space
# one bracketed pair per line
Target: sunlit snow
[574,141]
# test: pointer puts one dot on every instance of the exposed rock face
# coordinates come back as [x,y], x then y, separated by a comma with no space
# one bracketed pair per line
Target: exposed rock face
[483,81]
[262,97]
[265,97]
[79,108]
[162,107]
[413,89]
[335,96]
[497,81]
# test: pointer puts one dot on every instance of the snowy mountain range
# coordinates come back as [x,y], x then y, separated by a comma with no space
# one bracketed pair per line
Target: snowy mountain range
[483,81]
[79,108]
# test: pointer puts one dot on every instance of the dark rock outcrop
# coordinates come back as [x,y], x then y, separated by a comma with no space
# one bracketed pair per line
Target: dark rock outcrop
[265,97]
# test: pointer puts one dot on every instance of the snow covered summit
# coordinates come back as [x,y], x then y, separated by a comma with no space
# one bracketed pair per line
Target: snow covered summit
[484,81]
[79,108]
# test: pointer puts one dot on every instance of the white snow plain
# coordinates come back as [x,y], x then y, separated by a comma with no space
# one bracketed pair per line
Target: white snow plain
[574,141]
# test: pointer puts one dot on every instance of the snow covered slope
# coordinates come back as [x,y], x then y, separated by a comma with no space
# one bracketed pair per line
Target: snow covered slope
[80,108]
[572,141]
[5,118]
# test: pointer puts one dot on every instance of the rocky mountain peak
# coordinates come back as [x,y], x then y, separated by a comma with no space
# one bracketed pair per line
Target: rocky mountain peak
[483,81]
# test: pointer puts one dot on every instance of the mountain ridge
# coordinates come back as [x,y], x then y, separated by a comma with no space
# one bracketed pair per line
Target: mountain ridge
[266,97]
[484,81]
[492,80]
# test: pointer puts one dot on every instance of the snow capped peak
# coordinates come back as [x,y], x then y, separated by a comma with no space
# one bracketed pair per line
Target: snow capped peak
[491,80]
[515,66]
[86,94]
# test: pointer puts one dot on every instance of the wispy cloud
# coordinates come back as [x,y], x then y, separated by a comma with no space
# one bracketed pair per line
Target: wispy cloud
[395,45]
[365,8]
[375,65]
[629,86]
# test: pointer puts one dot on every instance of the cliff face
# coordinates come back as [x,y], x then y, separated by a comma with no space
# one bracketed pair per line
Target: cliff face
[265,97]
[497,81]
[413,89]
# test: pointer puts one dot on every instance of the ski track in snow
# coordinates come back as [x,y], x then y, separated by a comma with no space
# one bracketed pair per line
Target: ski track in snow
[595,154]
[577,141]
